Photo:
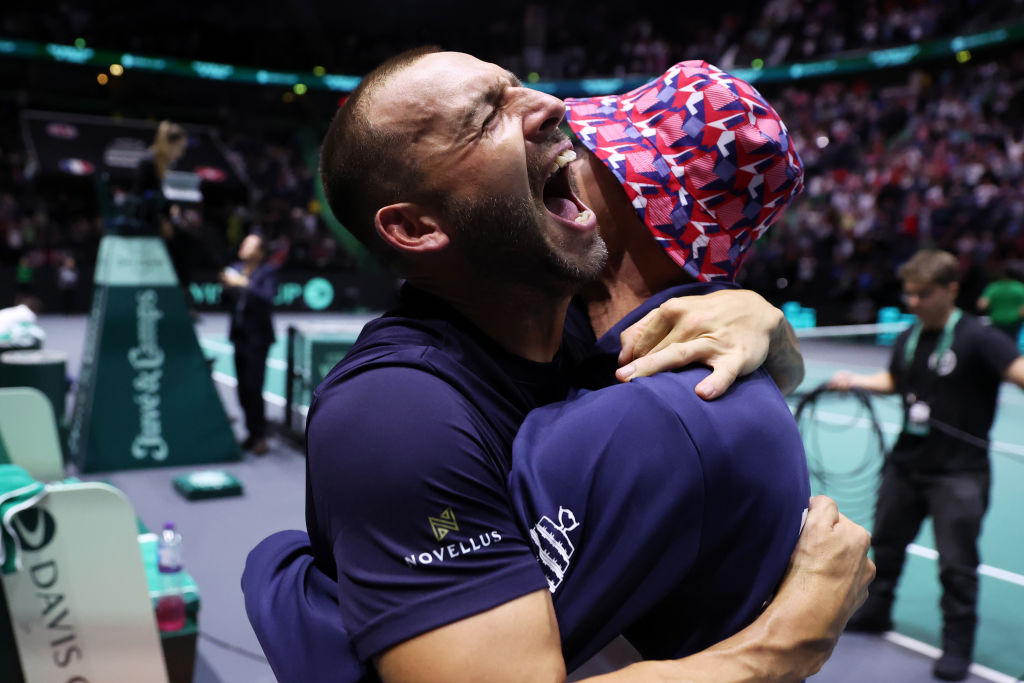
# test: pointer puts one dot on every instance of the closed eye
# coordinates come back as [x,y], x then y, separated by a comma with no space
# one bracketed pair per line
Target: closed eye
[491,118]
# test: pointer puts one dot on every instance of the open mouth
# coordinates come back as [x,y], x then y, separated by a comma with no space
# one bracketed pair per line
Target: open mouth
[559,198]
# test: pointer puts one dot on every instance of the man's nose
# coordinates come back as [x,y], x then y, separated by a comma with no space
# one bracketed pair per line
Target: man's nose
[541,114]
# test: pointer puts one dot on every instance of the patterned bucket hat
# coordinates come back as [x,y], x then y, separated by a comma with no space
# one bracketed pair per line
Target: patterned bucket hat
[706,162]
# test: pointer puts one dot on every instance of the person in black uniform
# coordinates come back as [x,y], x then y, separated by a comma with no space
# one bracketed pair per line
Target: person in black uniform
[250,285]
[948,368]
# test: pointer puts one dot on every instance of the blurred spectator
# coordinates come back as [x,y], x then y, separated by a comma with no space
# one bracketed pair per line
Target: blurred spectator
[896,159]
[67,282]
[249,286]
[156,215]
[1003,300]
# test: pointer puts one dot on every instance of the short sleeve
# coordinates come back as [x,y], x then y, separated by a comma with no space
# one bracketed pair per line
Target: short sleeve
[408,485]
[995,350]
[896,364]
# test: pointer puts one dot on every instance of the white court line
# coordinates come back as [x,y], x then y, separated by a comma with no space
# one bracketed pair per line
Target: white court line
[994,572]
[934,652]
[913,548]
[225,347]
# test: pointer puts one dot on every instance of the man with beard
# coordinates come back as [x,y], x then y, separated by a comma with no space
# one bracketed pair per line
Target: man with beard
[408,438]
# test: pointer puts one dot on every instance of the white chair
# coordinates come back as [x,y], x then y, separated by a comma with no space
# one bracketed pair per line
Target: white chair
[29,432]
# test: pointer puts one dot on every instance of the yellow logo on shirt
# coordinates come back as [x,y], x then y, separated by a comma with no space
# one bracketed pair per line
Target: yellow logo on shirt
[443,524]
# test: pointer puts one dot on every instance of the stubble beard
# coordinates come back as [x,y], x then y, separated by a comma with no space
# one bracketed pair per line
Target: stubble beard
[503,237]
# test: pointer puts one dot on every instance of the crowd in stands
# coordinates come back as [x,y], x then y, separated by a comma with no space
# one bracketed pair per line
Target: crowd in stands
[569,39]
[895,160]
[49,236]
[931,158]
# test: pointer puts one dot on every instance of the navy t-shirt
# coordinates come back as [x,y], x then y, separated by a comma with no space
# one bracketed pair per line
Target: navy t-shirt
[409,448]
[655,513]
[961,390]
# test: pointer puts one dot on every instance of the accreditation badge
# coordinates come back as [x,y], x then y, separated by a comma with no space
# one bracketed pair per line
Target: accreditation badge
[918,415]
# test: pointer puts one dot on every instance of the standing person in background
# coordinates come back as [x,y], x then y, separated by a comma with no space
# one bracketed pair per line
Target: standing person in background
[156,217]
[947,368]
[250,285]
[1003,299]
[67,282]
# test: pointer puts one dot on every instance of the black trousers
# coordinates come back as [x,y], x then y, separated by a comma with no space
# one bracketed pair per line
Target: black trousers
[250,369]
[956,502]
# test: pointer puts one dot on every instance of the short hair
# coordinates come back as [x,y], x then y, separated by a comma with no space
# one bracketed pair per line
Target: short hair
[931,266]
[364,167]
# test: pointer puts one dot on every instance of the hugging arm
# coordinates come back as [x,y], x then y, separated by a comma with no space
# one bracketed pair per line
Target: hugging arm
[519,640]
[734,331]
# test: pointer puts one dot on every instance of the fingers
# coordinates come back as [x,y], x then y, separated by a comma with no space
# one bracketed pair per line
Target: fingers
[673,356]
[720,379]
[841,381]
[655,332]
[824,510]
[630,335]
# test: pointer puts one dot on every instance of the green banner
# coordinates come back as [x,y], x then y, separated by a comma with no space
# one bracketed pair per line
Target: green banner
[145,397]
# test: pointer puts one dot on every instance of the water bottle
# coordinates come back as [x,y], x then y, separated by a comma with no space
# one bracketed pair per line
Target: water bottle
[170,606]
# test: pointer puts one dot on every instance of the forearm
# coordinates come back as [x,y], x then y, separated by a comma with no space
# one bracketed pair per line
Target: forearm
[879,382]
[826,582]
[784,363]
[767,650]
[1015,373]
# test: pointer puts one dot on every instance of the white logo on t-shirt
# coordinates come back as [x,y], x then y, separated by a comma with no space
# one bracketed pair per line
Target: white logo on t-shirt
[944,365]
[553,545]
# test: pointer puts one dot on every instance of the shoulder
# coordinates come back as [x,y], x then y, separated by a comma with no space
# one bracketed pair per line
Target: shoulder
[988,344]
[383,399]
[591,420]
[390,431]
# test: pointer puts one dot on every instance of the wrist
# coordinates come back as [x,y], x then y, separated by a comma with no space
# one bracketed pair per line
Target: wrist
[796,639]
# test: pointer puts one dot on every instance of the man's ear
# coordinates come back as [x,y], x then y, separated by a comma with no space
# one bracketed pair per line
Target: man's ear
[409,227]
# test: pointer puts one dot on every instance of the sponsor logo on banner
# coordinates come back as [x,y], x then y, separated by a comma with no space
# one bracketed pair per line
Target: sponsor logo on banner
[211,174]
[124,152]
[147,360]
[63,131]
[76,166]
[36,528]
[318,293]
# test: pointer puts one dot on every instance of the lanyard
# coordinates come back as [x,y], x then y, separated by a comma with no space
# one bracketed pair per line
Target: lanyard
[945,341]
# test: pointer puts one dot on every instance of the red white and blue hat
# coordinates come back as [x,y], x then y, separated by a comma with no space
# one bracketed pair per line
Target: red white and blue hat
[706,162]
